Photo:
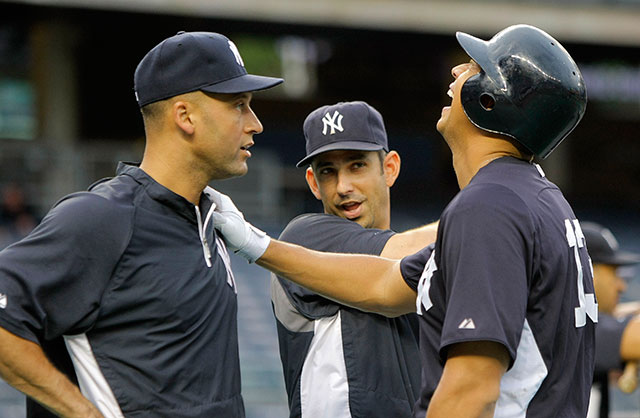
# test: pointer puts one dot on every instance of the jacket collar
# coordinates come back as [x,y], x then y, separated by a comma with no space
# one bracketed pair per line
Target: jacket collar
[161,194]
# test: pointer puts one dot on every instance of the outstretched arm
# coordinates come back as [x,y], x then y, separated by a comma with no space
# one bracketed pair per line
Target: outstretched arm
[409,242]
[365,282]
[24,366]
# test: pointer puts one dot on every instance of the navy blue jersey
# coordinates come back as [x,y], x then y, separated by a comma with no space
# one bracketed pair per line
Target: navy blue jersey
[137,283]
[340,362]
[510,265]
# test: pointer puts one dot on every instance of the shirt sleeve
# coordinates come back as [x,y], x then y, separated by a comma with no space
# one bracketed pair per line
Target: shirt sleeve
[331,234]
[52,280]
[412,266]
[608,336]
[487,244]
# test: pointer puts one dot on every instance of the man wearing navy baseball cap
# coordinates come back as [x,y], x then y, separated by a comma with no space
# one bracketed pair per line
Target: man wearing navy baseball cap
[350,168]
[131,276]
[194,61]
[617,336]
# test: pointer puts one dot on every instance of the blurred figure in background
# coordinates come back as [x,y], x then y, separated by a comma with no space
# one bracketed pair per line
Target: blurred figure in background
[17,218]
[617,334]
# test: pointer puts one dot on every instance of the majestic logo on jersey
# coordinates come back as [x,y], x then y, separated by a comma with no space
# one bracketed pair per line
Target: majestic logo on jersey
[587,305]
[330,122]
[424,284]
[236,53]
[3,301]
[467,323]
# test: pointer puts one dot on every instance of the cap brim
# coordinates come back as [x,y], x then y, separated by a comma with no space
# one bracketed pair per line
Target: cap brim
[242,84]
[627,273]
[623,258]
[342,145]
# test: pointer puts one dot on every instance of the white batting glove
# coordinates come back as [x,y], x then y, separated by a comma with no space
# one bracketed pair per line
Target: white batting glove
[239,235]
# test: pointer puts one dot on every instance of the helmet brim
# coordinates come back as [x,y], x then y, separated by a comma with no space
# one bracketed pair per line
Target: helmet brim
[478,50]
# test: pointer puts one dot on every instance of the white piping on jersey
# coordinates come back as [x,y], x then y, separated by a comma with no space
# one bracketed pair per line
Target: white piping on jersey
[222,248]
[93,384]
[224,255]
[594,401]
[201,231]
[324,388]
[520,384]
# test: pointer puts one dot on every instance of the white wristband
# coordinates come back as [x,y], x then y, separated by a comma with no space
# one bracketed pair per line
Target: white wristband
[256,245]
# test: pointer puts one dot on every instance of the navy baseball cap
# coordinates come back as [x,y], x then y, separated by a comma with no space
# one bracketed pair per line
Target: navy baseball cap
[191,61]
[343,126]
[603,247]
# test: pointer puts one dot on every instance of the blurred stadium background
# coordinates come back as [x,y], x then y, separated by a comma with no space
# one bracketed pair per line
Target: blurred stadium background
[67,114]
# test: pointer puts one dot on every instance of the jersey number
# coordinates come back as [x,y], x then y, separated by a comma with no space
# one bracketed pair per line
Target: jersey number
[424,284]
[587,301]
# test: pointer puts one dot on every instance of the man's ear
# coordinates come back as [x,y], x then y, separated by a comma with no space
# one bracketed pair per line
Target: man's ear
[391,167]
[313,184]
[183,116]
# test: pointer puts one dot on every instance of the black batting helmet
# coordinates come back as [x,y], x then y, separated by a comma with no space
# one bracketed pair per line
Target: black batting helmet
[529,88]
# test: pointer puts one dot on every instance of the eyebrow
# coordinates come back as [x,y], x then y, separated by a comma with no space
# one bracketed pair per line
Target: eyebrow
[244,95]
[229,97]
[353,156]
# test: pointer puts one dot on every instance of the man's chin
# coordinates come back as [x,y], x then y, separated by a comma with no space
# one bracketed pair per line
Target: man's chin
[228,174]
[440,125]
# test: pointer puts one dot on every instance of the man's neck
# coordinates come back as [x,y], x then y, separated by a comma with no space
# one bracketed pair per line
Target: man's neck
[471,155]
[182,179]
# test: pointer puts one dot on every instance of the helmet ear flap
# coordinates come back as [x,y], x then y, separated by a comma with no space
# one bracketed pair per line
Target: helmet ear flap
[479,101]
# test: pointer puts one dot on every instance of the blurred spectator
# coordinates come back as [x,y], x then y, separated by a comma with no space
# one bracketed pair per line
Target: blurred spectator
[17,218]
[617,335]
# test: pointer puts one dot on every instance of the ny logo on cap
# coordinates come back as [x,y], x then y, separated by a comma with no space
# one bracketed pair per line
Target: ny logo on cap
[236,53]
[3,301]
[330,121]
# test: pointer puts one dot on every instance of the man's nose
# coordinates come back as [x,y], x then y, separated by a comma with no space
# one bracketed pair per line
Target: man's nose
[253,124]
[457,70]
[345,185]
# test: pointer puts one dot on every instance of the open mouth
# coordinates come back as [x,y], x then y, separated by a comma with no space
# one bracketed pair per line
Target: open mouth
[245,148]
[351,209]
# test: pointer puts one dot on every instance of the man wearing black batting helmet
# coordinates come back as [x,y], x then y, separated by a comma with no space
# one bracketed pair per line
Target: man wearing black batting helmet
[505,297]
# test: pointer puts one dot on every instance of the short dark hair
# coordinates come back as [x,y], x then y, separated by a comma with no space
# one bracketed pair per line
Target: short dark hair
[151,113]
